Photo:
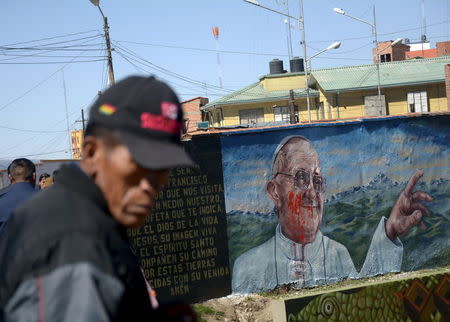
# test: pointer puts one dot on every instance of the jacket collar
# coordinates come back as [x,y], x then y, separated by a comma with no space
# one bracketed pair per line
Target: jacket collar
[75,179]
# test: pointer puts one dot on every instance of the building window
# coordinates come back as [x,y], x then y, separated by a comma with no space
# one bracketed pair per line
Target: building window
[417,102]
[282,114]
[253,116]
[385,58]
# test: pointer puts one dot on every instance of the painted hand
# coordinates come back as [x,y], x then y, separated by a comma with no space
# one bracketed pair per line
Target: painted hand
[408,211]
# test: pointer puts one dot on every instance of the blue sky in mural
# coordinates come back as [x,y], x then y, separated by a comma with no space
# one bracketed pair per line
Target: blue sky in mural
[351,154]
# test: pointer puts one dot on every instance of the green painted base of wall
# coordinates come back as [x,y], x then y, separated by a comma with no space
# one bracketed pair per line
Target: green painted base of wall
[419,297]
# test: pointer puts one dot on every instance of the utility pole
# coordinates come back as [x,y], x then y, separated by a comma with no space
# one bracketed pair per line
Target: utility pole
[292,119]
[307,62]
[108,42]
[82,120]
[67,115]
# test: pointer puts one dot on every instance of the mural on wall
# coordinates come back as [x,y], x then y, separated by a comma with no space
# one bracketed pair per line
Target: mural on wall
[313,205]
[420,299]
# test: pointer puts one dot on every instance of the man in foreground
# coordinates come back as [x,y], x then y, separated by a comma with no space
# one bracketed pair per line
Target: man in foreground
[68,253]
[22,176]
[299,252]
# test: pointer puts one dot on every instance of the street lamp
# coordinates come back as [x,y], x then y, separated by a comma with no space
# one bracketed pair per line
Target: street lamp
[334,45]
[108,42]
[374,32]
[392,44]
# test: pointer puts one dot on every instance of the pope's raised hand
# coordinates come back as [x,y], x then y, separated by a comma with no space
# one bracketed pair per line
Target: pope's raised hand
[408,209]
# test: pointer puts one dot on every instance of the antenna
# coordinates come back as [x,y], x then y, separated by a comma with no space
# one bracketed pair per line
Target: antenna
[219,68]
[287,21]
[423,38]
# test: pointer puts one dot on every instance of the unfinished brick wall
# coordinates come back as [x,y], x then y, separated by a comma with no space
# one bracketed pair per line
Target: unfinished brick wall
[443,48]
[192,113]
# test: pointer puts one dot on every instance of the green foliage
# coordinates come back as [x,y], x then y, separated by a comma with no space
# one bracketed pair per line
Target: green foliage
[203,310]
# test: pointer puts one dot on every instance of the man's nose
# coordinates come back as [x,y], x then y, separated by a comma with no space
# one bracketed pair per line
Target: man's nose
[146,185]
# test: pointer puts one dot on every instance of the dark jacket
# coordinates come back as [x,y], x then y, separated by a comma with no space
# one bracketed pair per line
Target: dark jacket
[67,259]
[11,197]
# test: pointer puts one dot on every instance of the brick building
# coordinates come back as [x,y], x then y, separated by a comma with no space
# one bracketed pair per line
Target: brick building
[192,112]
[409,51]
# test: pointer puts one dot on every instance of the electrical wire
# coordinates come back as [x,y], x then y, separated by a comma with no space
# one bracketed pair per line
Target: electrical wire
[382,34]
[36,154]
[37,85]
[142,70]
[30,131]
[38,47]
[55,62]
[166,71]
[34,54]
[50,38]
[202,49]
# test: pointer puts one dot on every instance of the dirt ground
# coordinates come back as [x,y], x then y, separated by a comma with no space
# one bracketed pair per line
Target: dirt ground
[257,307]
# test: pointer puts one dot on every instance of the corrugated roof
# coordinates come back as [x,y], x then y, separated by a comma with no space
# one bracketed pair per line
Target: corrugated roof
[256,93]
[405,72]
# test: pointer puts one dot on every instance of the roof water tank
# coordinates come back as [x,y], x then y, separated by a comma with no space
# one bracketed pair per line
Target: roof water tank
[296,64]
[276,66]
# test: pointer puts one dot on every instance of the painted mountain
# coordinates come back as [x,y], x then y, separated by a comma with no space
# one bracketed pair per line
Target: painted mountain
[351,217]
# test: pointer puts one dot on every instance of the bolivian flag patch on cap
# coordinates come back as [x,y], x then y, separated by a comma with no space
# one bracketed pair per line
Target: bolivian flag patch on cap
[107,109]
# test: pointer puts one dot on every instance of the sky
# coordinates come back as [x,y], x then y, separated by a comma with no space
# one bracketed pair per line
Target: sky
[60,65]
[351,155]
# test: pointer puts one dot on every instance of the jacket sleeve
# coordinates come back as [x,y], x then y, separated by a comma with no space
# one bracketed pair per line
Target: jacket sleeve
[74,292]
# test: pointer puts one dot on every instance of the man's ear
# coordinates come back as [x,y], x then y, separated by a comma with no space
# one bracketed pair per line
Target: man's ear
[90,152]
[11,179]
[271,188]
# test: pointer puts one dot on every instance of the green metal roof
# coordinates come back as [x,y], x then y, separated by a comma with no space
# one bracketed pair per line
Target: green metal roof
[255,93]
[399,73]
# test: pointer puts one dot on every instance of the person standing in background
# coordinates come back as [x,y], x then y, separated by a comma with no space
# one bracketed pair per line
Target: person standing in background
[22,176]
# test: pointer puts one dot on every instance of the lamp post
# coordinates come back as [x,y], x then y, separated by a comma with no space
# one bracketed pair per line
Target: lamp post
[334,45]
[374,33]
[108,42]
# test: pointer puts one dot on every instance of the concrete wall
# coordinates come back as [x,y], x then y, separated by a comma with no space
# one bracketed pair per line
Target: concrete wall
[281,82]
[351,104]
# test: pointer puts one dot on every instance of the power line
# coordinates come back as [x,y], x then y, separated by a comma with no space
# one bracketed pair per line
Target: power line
[140,69]
[55,43]
[54,62]
[34,54]
[35,86]
[384,34]
[166,71]
[202,49]
[62,48]
[30,131]
[50,38]
[36,154]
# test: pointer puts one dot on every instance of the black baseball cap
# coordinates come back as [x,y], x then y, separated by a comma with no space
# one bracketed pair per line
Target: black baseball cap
[147,115]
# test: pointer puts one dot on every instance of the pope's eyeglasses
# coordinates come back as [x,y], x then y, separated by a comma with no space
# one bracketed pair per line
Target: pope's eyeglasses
[302,180]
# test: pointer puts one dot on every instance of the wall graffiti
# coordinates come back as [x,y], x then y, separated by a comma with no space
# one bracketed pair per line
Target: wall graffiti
[331,202]
[419,299]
